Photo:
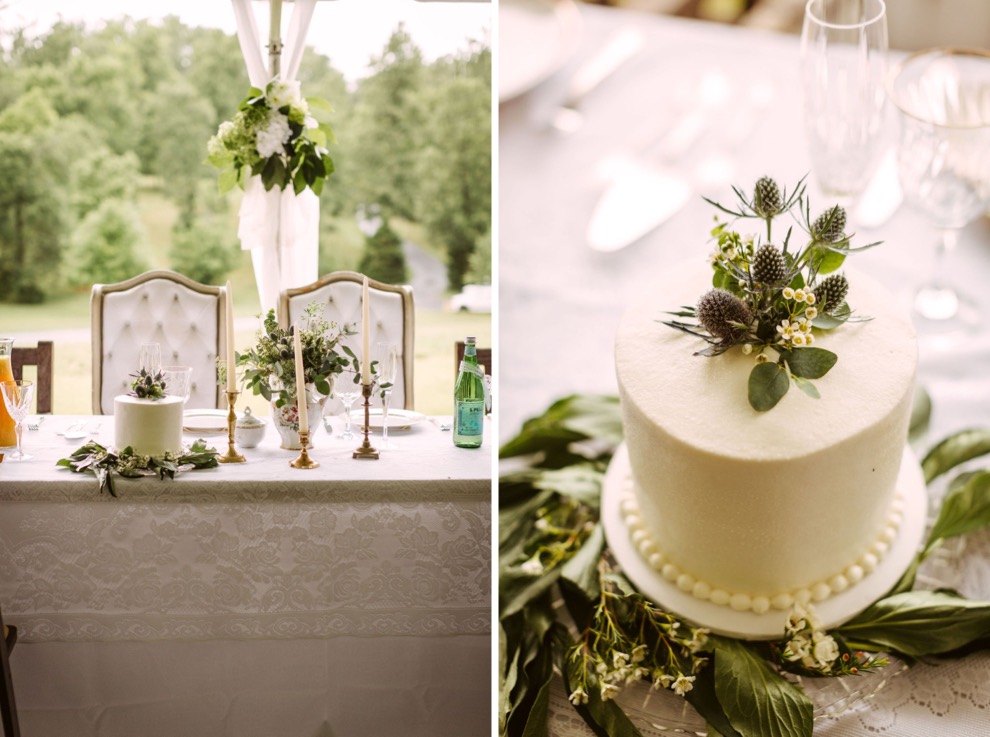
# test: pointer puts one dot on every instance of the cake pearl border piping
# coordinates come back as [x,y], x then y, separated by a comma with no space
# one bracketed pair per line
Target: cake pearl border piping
[647,548]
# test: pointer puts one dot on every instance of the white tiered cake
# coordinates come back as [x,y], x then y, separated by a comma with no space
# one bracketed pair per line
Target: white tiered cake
[149,426]
[751,511]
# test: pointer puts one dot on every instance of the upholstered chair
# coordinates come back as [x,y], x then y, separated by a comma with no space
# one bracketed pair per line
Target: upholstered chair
[185,317]
[391,315]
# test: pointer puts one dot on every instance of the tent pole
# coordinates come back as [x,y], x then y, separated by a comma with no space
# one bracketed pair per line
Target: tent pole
[274,38]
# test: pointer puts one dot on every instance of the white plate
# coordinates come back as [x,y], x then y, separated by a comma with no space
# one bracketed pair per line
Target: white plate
[204,421]
[398,419]
[536,38]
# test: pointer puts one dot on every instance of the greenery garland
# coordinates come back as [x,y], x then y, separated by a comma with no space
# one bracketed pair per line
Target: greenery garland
[104,463]
[552,547]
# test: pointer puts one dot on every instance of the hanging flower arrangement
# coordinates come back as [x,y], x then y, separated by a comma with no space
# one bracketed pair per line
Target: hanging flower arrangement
[275,135]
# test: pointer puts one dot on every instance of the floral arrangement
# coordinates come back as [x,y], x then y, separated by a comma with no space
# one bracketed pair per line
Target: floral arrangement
[96,459]
[566,612]
[770,299]
[274,135]
[147,385]
[270,368]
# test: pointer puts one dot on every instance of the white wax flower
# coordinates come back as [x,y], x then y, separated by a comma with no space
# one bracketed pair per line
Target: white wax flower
[578,696]
[683,684]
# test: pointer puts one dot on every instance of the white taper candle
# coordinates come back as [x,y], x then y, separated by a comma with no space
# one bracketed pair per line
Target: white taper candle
[300,382]
[365,335]
[231,369]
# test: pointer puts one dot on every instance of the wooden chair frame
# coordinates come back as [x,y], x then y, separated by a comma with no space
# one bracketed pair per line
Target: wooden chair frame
[8,705]
[96,316]
[408,316]
[43,357]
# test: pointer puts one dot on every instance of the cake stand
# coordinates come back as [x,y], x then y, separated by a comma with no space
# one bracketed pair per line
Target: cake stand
[748,625]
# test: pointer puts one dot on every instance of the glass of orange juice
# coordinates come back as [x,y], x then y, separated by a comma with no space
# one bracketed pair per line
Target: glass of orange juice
[8,436]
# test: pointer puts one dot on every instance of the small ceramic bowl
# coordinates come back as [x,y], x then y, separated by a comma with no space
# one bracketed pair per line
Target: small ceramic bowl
[249,430]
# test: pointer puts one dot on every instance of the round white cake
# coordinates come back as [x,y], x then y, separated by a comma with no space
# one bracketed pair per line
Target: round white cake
[149,426]
[755,510]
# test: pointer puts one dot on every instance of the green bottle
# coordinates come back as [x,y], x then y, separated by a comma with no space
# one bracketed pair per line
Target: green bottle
[469,399]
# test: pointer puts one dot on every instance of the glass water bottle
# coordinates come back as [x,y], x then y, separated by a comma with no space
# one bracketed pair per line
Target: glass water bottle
[469,399]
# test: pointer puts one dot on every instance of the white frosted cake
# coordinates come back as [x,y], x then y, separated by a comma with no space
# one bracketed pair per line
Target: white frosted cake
[756,510]
[149,426]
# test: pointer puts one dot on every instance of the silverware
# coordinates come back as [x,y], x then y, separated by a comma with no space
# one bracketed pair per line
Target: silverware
[36,425]
[618,49]
[444,426]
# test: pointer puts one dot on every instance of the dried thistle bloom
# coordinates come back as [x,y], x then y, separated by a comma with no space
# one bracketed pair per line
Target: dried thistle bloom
[830,225]
[721,313]
[769,266]
[831,293]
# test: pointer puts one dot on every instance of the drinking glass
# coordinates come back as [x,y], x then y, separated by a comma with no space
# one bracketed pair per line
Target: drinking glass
[17,396]
[347,391]
[178,381]
[150,358]
[844,67]
[387,355]
[943,102]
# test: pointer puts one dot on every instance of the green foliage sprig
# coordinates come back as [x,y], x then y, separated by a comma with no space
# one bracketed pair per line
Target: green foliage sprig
[147,385]
[269,365]
[768,299]
[104,463]
[552,550]
[275,135]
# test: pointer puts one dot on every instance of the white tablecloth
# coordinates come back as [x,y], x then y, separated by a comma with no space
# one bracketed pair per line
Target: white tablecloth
[560,302]
[382,562]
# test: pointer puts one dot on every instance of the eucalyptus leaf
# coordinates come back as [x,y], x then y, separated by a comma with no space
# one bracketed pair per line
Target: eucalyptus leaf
[954,450]
[839,316]
[827,260]
[807,387]
[919,623]
[809,363]
[768,383]
[756,699]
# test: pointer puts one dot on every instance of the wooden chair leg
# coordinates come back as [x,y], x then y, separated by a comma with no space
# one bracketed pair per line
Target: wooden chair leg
[8,707]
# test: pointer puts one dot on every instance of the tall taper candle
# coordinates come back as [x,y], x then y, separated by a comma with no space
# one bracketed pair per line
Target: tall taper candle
[300,382]
[365,335]
[231,369]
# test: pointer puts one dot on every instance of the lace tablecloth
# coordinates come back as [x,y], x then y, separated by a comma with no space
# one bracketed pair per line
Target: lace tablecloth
[393,550]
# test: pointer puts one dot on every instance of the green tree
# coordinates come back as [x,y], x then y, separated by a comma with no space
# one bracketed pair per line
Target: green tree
[97,175]
[480,265]
[455,171]
[203,250]
[383,258]
[103,245]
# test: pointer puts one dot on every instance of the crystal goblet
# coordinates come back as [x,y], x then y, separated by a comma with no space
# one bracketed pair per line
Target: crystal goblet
[347,391]
[17,397]
[388,369]
[178,381]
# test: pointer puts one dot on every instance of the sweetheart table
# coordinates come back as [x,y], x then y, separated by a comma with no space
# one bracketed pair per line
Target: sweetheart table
[251,599]
[560,301]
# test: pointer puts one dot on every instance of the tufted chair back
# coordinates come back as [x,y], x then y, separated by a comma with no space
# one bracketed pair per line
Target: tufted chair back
[391,313]
[163,307]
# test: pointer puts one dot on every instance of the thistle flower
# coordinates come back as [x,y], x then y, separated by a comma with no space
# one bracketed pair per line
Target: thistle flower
[721,313]
[767,200]
[769,266]
[830,226]
[831,293]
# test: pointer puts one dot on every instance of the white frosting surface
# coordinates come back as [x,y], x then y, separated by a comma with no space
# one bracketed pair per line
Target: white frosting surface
[150,427]
[763,503]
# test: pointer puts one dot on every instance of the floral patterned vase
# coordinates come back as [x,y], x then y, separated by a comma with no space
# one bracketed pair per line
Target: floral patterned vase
[286,419]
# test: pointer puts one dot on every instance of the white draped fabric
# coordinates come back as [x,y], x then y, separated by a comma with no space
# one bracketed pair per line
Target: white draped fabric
[280,228]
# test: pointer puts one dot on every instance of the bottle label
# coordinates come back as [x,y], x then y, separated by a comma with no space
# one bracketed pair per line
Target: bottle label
[470,416]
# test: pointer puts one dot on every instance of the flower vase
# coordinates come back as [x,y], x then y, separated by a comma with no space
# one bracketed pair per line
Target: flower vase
[286,418]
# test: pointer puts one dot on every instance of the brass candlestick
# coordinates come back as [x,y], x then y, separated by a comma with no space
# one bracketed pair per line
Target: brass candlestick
[304,461]
[366,450]
[232,455]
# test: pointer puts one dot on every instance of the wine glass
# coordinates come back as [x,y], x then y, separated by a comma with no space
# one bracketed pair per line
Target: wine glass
[387,355]
[150,358]
[943,100]
[844,67]
[17,396]
[178,381]
[347,391]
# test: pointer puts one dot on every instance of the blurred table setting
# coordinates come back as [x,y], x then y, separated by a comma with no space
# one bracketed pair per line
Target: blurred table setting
[594,209]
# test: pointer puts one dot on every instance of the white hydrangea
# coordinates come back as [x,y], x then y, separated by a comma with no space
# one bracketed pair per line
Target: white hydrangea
[281,93]
[273,137]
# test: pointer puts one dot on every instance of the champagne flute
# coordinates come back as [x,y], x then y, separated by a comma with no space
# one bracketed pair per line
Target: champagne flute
[844,67]
[150,358]
[347,390]
[943,100]
[178,381]
[388,368]
[17,396]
